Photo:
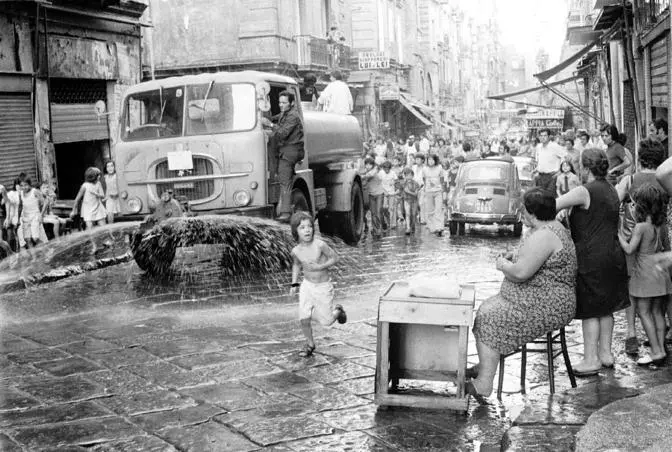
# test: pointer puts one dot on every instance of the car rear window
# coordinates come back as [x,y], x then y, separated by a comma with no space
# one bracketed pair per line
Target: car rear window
[485,173]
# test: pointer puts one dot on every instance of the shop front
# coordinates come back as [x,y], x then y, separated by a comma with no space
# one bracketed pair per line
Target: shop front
[17,147]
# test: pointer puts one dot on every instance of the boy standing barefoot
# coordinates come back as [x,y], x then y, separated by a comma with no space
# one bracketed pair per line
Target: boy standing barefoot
[316,293]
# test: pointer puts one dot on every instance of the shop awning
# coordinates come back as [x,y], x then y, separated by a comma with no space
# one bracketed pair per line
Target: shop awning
[415,112]
[503,96]
[453,123]
[543,76]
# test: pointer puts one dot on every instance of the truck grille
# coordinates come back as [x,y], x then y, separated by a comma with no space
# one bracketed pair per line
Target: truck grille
[192,190]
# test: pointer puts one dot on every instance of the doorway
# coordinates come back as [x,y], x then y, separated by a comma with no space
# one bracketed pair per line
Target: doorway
[72,159]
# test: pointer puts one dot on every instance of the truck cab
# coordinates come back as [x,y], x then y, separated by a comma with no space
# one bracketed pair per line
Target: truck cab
[201,136]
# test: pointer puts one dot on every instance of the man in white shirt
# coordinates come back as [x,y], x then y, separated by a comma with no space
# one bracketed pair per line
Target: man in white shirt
[336,97]
[549,157]
[424,145]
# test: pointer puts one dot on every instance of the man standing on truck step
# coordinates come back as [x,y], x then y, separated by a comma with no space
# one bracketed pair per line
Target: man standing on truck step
[286,142]
[336,97]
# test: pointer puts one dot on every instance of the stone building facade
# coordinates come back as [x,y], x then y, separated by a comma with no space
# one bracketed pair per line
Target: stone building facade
[58,59]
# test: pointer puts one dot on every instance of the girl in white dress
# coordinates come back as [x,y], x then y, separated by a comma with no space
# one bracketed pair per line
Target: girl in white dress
[91,195]
[111,191]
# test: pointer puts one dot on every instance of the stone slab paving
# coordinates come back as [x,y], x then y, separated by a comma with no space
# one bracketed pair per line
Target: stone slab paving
[203,363]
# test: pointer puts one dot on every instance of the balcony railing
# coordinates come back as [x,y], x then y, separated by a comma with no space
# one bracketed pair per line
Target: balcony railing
[318,53]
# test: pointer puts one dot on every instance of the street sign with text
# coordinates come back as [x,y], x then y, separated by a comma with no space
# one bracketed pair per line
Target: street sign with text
[373,60]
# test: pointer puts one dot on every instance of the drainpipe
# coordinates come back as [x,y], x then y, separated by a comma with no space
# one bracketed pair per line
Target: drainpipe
[46,60]
[629,48]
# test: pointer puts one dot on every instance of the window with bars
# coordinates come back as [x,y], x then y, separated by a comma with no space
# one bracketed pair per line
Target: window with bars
[77,91]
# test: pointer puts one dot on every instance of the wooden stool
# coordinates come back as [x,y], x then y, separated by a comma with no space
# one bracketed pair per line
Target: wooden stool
[551,338]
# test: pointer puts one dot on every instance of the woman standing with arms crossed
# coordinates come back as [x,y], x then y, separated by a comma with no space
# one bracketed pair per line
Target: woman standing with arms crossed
[601,284]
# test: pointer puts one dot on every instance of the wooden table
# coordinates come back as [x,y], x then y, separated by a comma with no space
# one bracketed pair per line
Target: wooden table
[422,339]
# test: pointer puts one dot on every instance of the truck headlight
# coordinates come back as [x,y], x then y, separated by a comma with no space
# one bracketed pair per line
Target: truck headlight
[124,195]
[134,205]
[241,198]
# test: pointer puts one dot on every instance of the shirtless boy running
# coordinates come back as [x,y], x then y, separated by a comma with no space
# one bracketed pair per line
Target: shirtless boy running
[316,293]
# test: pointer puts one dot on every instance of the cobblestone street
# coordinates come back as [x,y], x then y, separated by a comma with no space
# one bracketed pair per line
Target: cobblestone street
[115,360]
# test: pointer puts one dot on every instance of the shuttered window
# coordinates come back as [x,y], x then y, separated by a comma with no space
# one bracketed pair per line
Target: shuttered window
[17,150]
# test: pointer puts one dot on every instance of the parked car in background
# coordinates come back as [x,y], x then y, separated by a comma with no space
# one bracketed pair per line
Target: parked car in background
[487,192]
[525,170]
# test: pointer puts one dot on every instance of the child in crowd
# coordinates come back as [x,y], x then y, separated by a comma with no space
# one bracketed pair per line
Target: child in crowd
[168,207]
[433,180]
[375,188]
[417,174]
[410,196]
[30,214]
[111,191]
[48,216]
[91,195]
[316,293]
[11,224]
[567,179]
[648,285]
[3,211]
[388,178]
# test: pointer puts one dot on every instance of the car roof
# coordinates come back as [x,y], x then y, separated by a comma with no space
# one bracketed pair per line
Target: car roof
[489,160]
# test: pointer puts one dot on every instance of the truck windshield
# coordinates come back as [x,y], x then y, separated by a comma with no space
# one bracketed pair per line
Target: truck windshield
[220,108]
[210,108]
[153,114]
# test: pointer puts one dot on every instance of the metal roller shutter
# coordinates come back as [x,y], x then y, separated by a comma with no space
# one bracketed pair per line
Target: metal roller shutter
[17,149]
[77,122]
[73,114]
[659,84]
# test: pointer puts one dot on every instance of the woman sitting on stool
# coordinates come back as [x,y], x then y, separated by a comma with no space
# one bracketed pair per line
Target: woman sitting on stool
[537,294]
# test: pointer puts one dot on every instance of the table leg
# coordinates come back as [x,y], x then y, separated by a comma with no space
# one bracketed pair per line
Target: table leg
[383,358]
[462,342]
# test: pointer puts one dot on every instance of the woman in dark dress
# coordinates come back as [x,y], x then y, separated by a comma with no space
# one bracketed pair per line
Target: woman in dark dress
[602,280]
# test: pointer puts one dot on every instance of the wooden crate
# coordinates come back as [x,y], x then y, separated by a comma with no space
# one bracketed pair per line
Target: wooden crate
[422,339]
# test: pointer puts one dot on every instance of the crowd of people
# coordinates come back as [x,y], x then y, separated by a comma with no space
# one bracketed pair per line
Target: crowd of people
[598,248]
[25,209]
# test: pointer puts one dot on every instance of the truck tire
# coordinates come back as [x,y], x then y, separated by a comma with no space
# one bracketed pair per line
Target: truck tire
[518,229]
[352,224]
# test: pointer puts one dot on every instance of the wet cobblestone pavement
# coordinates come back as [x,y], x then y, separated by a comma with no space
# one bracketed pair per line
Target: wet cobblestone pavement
[113,359]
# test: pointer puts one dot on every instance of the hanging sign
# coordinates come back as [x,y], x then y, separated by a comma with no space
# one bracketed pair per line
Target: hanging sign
[373,60]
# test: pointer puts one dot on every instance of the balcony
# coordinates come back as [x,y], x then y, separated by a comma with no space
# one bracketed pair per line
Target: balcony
[649,12]
[317,54]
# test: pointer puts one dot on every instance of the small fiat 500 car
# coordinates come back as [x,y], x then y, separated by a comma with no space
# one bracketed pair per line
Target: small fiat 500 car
[486,192]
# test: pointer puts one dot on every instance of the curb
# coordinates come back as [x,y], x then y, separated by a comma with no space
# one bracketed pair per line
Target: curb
[63,272]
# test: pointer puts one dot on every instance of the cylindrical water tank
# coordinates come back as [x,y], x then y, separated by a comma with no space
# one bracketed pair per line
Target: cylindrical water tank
[331,138]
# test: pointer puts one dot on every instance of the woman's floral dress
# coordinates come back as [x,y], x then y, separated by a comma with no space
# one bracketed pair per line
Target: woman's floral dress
[522,312]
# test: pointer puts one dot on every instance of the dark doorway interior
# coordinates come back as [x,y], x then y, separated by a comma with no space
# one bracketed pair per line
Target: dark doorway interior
[72,159]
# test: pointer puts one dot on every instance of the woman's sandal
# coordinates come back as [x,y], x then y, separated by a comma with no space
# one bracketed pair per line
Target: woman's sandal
[470,389]
[307,351]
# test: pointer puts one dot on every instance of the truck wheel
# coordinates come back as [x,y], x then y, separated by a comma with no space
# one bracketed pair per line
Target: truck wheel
[352,225]
[452,227]
[5,249]
[518,229]
[299,201]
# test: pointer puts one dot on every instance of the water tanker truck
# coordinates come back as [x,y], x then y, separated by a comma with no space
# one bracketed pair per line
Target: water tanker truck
[200,137]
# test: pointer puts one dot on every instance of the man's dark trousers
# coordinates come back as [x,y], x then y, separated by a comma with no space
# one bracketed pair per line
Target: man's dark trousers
[289,156]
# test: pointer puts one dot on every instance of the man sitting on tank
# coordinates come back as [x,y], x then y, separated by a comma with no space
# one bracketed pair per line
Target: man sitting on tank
[286,143]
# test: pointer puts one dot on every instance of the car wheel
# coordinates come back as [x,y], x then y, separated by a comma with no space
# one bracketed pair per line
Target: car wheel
[452,227]
[462,227]
[518,229]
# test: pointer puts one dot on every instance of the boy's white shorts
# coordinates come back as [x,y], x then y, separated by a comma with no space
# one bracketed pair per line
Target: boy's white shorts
[316,300]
